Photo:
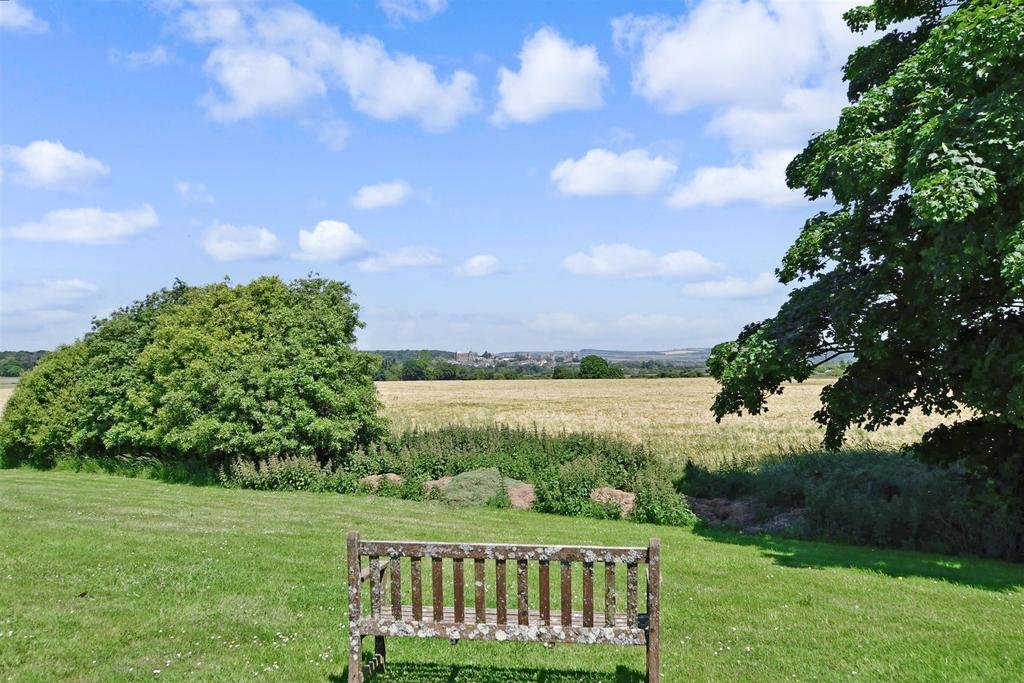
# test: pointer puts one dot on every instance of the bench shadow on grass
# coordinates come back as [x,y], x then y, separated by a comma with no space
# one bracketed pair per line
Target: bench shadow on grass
[957,569]
[410,672]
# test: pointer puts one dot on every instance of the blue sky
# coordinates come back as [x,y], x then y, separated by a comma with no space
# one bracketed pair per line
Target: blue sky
[527,175]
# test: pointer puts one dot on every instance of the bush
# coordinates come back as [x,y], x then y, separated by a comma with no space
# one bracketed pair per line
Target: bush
[298,473]
[871,498]
[657,502]
[214,373]
[566,491]
[523,454]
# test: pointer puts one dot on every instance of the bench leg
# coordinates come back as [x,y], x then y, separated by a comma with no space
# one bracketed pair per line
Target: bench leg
[653,664]
[355,658]
[380,651]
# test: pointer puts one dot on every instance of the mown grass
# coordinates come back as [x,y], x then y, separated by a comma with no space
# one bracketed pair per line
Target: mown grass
[106,578]
[671,416]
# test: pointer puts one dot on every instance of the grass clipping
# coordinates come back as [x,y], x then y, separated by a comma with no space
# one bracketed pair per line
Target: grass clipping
[477,488]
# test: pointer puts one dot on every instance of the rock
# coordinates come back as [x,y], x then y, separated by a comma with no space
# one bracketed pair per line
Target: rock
[373,481]
[783,523]
[439,484]
[609,496]
[522,496]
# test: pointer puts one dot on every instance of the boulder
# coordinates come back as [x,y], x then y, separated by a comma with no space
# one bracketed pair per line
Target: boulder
[438,484]
[373,481]
[521,496]
[607,495]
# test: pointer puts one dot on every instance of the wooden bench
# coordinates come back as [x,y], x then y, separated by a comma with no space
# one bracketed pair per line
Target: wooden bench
[384,612]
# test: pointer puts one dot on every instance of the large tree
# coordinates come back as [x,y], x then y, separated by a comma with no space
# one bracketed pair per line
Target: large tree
[918,268]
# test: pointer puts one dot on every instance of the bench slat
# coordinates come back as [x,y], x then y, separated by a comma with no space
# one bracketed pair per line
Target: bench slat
[479,595]
[588,593]
[544,587]
[631,607]
[566,594]
[416,578]
[459,584]
[609,594]
[448,628]
[376,586]
[490,551]
[396,587]
[501,591]
[437,578]
[523,604]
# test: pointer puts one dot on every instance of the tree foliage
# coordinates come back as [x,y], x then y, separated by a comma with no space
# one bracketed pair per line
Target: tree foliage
[918,269]
[208,372]
[595,367]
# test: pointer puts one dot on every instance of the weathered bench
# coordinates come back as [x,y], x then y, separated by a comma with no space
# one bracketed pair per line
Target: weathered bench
[379,565]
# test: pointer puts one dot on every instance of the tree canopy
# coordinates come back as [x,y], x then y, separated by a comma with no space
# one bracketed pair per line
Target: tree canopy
[596,367]
[918,267]
[254,370]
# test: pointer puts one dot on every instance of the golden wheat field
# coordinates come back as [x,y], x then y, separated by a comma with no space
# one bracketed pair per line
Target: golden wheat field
[672,416]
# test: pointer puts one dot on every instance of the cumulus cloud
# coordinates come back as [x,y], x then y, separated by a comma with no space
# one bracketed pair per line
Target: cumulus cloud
[478,266]
[379,195]
[762,179]
[626,261]
[192,192]
[330,241]
[46,295]
[800,113]
[601,172]
[158,55]
[15,16]
[226,242]
[50,165]
[406,257]
[733,51]
[411,10]
[733,288]
[554,75]
[87,226]
[275,59]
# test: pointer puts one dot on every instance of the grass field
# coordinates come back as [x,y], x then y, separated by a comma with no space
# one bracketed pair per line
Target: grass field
[105,578]
[671,415]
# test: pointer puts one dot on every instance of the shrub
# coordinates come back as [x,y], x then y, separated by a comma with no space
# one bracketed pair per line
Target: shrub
[216,373]
[298,473]
[657,502]
[566,491]
[872,498]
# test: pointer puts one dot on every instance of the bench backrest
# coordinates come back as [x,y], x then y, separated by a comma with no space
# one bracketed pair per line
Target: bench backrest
[381,564]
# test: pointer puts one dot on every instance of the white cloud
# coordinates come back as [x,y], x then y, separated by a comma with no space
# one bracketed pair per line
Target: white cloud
[626,261]
[406,257]
[478,266]
[15,16]
[50,165]
[276,59]
[87,226]
[158,55]
[762,179]
[334,133]
[800,113]
[554,75]
[195,193]
[46,295]
[730,51]
[380,195]
[330,241]
[411,10]
[226,242]
[601,172]
[733,288]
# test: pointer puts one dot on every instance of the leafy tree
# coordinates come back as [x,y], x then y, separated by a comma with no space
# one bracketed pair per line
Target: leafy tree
[918,269]
[209,372]
[418,368]
[564,372]
[595,367]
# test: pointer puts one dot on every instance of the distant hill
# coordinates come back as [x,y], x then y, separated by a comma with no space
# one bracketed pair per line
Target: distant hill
[13,363]
[682,357]
[402,355]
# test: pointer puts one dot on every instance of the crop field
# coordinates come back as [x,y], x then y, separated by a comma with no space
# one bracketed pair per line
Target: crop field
[672,416]
[107,578]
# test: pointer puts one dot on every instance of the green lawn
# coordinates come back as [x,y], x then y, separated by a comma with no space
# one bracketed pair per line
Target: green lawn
[104,578]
